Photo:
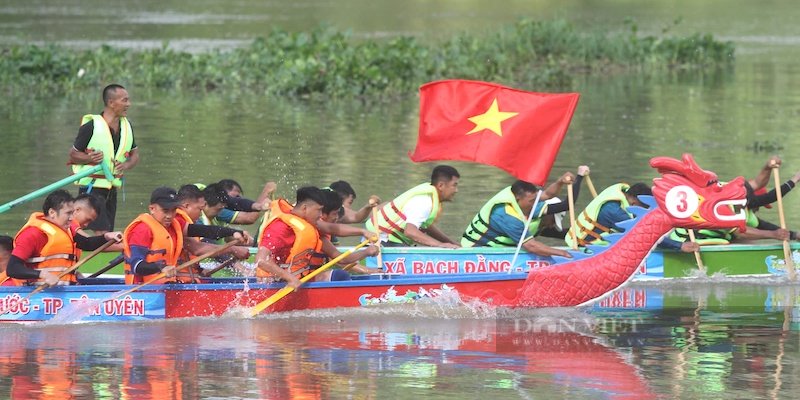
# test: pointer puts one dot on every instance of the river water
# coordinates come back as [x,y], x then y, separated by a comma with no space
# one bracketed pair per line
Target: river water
[707,344]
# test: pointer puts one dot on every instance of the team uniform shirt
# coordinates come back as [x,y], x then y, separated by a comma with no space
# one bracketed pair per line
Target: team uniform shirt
[28,244]
[417,210]
[611,213]
[142,236]
[508,225]
[226,216]
[278,238]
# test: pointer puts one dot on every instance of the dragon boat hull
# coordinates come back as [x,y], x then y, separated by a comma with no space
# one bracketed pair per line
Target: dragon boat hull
[94,301]
[732,260]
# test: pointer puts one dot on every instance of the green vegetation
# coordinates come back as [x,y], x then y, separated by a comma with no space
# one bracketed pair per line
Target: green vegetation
[531,53]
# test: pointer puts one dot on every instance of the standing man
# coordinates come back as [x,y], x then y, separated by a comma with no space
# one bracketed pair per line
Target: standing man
[410,217]
[105,138]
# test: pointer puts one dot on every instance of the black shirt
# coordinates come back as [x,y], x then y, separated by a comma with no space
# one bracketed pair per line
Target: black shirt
[85,135]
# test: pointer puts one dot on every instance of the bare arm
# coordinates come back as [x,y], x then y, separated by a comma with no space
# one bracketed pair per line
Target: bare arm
[246,218]
[80,157]
[555,188]
[755,234]
[357,217]
[331,251]
[264,198]
[133,159]
[762,179]
[413,232]
[266,262]
[539,248]
[343,230]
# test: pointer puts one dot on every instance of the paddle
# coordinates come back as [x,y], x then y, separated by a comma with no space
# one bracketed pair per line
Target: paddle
[699,260]
[74,267]
[571,203]
[111,264]
[589,183]
[787,250]
[255,310]
[227,263]
[185,265]
[378,234]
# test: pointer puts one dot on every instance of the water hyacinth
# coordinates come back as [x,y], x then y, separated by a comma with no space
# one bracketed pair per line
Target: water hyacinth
[332,63]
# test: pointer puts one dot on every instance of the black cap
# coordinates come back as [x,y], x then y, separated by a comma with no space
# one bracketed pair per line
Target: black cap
[165,197]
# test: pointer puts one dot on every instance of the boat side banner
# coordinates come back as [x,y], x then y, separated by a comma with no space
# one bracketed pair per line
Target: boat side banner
[456,263]
[87,306]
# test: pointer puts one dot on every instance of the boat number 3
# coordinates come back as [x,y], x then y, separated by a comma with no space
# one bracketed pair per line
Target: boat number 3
[681,201]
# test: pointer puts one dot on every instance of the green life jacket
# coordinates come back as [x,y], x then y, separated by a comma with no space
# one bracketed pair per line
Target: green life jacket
[392,221]
[479,227]
[101,141]
[713,236]
[586,221]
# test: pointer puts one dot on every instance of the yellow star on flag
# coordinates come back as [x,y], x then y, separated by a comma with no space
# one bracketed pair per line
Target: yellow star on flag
[490,120]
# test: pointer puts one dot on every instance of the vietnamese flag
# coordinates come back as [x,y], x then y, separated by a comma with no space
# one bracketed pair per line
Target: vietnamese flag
[514,130]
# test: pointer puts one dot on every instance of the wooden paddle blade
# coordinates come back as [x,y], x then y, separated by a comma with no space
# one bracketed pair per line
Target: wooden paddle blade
[258,308]
[187,264]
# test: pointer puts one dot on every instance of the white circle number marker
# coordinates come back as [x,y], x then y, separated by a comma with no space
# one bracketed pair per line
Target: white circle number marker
[681,201]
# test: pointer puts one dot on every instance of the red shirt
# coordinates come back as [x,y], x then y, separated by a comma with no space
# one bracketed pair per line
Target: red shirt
[141,235]
[278,238]
[29,243]
[181,221]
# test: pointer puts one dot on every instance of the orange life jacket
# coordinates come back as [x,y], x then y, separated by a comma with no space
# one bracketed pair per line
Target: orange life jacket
[56,256]
[306,252]
[74,227]
[161,248]
[191,274]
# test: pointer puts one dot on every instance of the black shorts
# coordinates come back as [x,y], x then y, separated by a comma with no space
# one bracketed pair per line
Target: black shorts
[105,217]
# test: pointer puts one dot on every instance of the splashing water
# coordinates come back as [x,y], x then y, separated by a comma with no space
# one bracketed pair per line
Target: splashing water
[76,311]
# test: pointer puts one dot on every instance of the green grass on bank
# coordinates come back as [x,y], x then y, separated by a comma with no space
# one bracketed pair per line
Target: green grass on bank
[535,53]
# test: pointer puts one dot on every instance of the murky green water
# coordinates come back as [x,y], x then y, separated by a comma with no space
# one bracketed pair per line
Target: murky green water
[621,121]
[713,340]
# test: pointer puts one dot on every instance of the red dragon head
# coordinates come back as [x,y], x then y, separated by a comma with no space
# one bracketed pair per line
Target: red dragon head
[693,197]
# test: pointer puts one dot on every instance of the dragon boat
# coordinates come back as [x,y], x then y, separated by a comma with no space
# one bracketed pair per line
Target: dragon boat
[756,259]
[685,196]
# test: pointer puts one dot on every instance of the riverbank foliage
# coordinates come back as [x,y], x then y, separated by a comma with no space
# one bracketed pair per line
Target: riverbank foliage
[332,63]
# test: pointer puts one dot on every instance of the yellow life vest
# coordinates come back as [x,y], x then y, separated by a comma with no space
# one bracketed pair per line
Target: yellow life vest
[101,140]
[479,227]
[586,222]
[392,221]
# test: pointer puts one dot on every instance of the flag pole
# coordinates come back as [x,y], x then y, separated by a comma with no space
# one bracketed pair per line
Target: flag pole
[525,230]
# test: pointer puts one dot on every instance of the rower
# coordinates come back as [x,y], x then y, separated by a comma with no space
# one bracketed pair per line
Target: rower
[329,222]
[604,212]
[410,217]
[192,202]
[46,246]
[87,207]
[154,241]
[348,195]
[501,221]
[290,237]
[239,210]
[6,245]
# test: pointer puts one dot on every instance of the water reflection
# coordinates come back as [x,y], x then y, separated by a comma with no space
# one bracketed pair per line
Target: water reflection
[746,345]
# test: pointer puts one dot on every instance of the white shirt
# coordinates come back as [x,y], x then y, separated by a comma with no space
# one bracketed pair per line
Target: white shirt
[417,210]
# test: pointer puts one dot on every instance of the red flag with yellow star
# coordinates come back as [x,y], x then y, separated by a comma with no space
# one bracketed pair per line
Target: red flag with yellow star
[517,131]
